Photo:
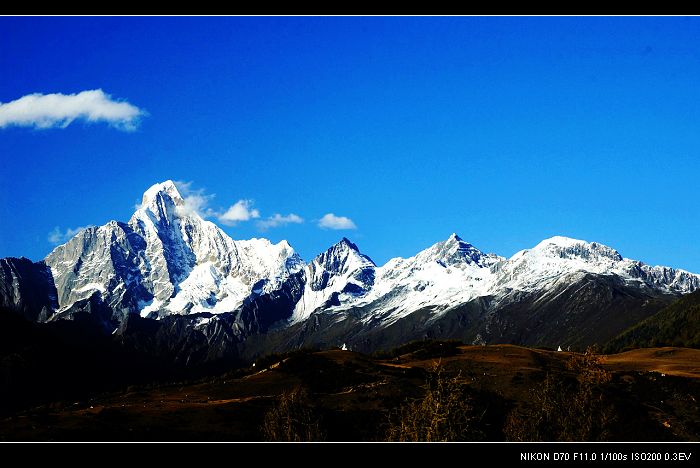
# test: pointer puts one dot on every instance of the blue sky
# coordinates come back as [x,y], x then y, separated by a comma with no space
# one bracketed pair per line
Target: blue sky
[504,130]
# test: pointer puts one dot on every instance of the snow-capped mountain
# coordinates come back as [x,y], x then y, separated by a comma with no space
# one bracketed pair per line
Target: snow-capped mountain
[166,260]
[339,275]
[562,291]
[453,272]
[556,258]
[449,272]
[169,272]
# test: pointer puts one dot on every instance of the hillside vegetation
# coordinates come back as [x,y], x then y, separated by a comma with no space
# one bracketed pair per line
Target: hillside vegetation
[675,325]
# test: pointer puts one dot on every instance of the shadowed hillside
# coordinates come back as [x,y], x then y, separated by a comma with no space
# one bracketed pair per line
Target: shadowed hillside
[675,325]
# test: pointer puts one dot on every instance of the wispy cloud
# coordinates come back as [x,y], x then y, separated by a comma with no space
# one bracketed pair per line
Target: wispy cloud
[60,110]
[277,220]
[58,236]
[242,210]
[196,200]
[331,221]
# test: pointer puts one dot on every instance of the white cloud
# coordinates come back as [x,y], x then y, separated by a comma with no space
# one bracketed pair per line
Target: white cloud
[57,236]
[331,221]
[241,211]
[277,220]
[196,200]
[184,187]
[60,110]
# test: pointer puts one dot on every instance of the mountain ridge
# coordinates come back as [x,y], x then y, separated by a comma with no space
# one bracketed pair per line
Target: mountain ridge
[167,261]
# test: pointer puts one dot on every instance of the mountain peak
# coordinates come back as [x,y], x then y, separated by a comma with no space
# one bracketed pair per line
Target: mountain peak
[167,188]
[339,273]
[560,241]
[566,247]
[345,242]
[340,252]
[453,251]
[162,202]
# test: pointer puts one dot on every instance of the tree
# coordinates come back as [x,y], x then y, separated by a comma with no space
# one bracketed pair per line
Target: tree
[444,414]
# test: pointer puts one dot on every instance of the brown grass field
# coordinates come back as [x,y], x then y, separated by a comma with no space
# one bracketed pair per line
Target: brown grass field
[681,362]
[655,393]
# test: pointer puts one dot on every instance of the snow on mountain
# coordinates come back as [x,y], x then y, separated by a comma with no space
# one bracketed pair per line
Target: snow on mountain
[339,275]
[449,272]
[100,259]
[453,272]
[557,258]
[455,252]
[551,260]
[167,259]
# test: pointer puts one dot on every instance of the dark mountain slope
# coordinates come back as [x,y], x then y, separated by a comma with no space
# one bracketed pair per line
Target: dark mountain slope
[675,325]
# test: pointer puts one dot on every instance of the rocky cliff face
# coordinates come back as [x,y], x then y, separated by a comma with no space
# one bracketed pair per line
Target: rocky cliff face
[27,288]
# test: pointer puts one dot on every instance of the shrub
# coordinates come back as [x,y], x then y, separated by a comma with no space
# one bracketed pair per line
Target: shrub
[292,419]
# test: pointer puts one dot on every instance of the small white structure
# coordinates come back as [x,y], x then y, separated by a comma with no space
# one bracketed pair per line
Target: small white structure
[344,347]
[559,348]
